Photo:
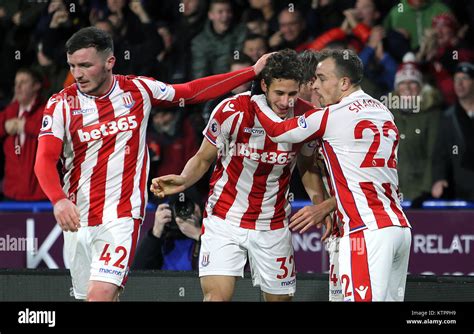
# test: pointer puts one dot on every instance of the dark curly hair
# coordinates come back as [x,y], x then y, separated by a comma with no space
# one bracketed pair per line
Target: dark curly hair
[284,64]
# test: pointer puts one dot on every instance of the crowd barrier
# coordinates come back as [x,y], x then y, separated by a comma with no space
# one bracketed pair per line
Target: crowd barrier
[442,239]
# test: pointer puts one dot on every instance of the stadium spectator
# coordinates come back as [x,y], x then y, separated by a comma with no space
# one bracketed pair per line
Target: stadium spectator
[255,46]
[220,39]
[292,31]
[412,17]
[17,47]
[416,107]
[453,163]
[255,22]
[375,246]
[172,243]
[441,50]
[171,140]
[178,61]
[267,8]
[20,124]
[235,65]
[247,210]
[99,127]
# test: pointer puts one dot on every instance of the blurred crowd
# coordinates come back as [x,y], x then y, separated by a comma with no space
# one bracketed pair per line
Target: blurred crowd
[418,57]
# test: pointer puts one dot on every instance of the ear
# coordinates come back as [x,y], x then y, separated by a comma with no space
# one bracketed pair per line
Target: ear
[263,85]
[345,84]
[110,62]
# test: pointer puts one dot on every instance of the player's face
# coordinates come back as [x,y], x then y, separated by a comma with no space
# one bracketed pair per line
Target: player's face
[281,95]
[92,70]
[308,93]
[327,83]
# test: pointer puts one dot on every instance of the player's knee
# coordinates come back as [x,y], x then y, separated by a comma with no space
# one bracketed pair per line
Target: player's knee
[102,292]
[216,296]
[277,298]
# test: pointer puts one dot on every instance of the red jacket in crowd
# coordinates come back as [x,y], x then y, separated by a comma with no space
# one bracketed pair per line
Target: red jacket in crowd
[20,181]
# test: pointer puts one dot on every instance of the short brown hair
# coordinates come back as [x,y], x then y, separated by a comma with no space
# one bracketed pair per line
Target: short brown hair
[348,64]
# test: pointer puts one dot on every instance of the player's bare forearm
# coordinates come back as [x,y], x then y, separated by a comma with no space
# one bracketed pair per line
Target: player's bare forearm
[311,178]
[199,164]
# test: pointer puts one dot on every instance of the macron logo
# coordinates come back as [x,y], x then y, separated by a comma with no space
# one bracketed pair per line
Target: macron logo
[37,317]
[362,290]
[107,129]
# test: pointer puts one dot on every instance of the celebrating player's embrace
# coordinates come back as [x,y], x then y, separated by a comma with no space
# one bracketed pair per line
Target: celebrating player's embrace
[359,144]
[247,210]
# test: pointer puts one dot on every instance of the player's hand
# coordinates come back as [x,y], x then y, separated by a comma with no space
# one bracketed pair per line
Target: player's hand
[261,62]
[438,188]
[328,228]
[167,185]
[313,215]
[67,215]
[163,216]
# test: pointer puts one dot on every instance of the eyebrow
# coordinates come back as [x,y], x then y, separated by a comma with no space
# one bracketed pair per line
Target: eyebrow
[81,64]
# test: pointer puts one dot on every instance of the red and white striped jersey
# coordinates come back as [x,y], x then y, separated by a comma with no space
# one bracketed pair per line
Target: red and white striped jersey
[105,156]
[249,186]
[359,141]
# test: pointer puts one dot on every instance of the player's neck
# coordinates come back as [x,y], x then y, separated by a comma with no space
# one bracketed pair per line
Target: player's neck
[105,87]
[349,92]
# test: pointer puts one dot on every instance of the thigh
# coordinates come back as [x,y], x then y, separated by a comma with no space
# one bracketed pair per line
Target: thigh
[398,275]
[272,261]
[113,247]
[77,254]
[221,252]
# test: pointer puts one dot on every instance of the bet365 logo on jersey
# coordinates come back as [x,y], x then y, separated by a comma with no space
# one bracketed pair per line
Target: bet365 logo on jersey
[97,132]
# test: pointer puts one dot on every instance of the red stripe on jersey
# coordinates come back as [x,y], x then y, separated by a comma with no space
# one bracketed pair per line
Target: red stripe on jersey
[361,285]
[280,214]
[342,188]
[393,204]
[322,127]
[99,172]
[234,170]
[375,204]
[259,186]
[133,247]
[124,208]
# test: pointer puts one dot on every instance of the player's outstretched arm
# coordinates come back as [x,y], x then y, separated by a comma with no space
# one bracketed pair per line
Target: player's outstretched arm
[211,87]
[307,127]
[195,168]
